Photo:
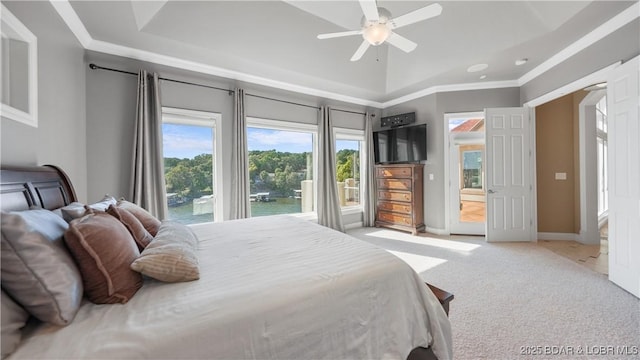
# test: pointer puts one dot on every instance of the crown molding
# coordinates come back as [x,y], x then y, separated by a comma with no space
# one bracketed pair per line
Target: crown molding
[450,88]
[70,17]
[613,24]
[593,78]
[143,55]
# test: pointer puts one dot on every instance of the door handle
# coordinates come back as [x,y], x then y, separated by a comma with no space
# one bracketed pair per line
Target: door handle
[491,191]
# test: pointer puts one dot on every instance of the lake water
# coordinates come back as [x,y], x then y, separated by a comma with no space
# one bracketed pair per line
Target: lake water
[184,213]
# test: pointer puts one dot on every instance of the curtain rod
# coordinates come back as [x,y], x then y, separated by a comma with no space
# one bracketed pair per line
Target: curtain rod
[97,67]
[352,112]
[283,101]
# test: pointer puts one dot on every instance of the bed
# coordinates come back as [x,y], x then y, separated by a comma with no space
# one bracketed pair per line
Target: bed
[269,288]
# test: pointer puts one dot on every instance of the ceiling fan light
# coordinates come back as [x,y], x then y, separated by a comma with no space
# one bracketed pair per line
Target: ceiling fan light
[376,34]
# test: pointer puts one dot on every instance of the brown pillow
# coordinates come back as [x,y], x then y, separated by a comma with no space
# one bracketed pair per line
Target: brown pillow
[139,233]
[148,221]
[104,250]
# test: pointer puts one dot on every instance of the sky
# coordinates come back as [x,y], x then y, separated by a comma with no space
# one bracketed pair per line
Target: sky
[185,141]
[455,122]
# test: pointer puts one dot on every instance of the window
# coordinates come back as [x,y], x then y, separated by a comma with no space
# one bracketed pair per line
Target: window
[191,171]
[601,123]
[281,163]
[471,166]
[349,157]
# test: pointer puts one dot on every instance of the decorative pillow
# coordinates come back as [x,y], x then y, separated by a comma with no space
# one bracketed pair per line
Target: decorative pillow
[104,250]
[139,233]
[14,319]
[171,256]
[148,221]
[37,270]
[103,204]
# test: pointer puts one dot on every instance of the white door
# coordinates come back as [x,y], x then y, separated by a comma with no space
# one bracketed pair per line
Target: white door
[624,176]
[508,174]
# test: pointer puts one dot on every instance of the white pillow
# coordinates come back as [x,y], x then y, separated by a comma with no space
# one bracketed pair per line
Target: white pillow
[103,204]
[171,255]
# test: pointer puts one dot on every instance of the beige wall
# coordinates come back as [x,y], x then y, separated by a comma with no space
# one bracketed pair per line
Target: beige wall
[557,152]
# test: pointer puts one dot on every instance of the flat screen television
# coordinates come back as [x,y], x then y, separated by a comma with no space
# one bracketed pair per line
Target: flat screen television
[406,144]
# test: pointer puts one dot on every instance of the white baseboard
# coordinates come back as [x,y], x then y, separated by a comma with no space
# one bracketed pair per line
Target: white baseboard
[558,236]
[436,231]
[589,238]
[355,225]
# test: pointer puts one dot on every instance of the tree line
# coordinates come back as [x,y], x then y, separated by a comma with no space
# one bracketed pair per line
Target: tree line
[279,173]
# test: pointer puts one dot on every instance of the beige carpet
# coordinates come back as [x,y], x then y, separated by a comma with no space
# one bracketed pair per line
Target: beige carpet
[520,298]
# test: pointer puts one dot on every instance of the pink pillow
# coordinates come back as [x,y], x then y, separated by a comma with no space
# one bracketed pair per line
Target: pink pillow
[148,221]
[135,227]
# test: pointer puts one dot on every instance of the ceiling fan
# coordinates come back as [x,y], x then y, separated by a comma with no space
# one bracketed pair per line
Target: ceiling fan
[378,26]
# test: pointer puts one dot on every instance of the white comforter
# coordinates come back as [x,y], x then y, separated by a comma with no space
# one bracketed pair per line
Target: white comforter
[270,288]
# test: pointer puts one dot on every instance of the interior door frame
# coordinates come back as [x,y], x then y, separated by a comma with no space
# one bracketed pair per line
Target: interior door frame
[589,223]
[596,77]
[447,168]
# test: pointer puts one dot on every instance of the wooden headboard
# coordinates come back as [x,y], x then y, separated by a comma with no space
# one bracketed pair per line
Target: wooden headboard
[44,186]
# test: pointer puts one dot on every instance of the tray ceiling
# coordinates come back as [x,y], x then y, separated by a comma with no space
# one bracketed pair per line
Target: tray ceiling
[276,40]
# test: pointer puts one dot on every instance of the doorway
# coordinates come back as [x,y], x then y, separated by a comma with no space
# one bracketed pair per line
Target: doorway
[467,193]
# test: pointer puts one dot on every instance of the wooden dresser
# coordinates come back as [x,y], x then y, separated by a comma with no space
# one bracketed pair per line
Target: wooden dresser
[400,197]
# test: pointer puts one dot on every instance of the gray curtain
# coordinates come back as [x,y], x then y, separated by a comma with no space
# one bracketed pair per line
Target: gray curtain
[369,217]
[329,213]
[148,186]
[240,205]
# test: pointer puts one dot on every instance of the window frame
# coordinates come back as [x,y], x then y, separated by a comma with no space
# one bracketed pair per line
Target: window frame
[353,135]
[213,120]
[602,141]
[283,125]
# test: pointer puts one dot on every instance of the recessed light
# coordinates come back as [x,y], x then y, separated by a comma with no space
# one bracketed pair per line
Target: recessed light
[482,77]
[477,67]
[521,61]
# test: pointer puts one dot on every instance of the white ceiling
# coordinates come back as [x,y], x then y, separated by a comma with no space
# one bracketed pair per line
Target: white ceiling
[275,41]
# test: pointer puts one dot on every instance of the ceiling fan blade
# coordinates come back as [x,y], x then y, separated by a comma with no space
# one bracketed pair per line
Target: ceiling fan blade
[370,10]
[417,15]
[361,50]
[339,34]
[401,42]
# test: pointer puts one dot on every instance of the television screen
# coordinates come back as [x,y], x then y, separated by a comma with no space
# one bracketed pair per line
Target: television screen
[398,145]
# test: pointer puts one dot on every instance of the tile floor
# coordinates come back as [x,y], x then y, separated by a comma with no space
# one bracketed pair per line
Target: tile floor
[595,257]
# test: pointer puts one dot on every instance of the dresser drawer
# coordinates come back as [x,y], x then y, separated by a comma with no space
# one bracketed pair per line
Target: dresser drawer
[394,195]
[393,218]
[393,172]
[395,184]
[394,207]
